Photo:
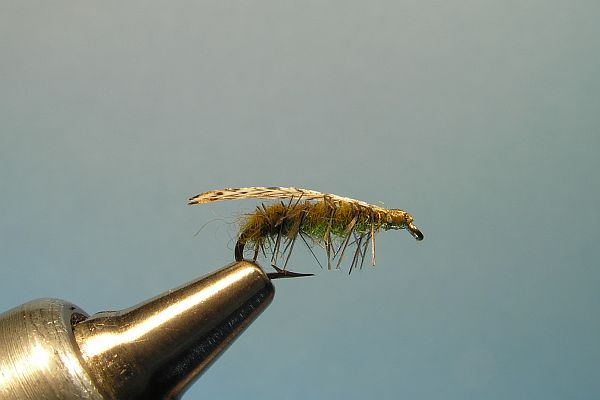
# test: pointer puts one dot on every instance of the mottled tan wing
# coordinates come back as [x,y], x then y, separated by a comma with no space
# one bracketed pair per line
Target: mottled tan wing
[270,193]
[254,193]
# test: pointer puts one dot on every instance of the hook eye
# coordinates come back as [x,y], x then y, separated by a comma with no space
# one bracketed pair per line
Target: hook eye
[415,232]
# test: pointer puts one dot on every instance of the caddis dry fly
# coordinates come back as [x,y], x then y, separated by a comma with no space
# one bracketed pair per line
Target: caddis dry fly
[330,221]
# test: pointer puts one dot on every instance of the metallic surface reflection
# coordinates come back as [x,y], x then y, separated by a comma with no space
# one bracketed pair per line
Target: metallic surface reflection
[154,350]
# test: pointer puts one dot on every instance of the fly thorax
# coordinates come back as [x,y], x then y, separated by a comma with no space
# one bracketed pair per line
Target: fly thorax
[396,219]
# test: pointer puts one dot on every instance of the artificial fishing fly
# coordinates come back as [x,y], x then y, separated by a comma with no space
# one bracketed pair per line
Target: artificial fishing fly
[330,221]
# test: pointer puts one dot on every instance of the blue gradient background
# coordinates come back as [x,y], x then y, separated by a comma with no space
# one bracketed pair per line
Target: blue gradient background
[479,117]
